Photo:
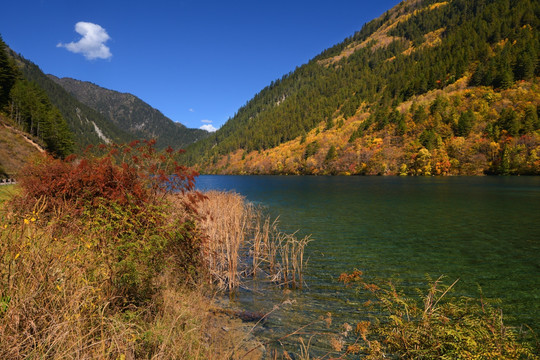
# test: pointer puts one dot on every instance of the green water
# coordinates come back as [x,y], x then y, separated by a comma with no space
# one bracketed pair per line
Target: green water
[483,230]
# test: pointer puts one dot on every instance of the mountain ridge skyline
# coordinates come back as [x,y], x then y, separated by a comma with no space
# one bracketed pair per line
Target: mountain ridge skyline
[192,61]
[131,114]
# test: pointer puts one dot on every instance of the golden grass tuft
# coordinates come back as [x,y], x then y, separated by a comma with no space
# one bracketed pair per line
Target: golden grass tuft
[226,219]
[242,241]
[52,305]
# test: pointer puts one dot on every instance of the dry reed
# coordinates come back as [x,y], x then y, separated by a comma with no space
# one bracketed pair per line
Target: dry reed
[242,241]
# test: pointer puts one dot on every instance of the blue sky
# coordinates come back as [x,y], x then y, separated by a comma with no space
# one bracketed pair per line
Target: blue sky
[195,61]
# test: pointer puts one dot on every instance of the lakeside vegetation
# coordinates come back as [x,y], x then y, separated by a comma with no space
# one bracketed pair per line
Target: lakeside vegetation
[99,260]
[105,256]
[87,253]
[432,324]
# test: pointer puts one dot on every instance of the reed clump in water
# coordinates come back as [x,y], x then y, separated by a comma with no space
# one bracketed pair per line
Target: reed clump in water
[242,241]
[225,221]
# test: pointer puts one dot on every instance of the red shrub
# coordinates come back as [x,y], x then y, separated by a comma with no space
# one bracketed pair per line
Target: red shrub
[106,172]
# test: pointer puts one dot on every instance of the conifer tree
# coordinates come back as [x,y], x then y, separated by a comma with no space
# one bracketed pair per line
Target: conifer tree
[8,74]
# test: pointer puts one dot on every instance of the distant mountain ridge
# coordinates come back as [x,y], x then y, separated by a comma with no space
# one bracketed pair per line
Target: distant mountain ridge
[87,125]
[36,111]
[131,114]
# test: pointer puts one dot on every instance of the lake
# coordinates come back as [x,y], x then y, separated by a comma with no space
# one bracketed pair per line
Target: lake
[483,230]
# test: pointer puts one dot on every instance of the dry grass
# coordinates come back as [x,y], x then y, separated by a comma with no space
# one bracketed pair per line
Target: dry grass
[57,301]
[243,242]
[7,192]
[52,305]
[15,149]
[226,220]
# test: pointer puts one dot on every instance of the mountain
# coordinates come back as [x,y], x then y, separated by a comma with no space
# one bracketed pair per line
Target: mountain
[26,110]
[429,88]
[131,114]
[88,126]
[37,114]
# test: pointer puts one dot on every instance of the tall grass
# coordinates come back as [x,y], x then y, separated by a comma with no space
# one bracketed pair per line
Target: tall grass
[243,242]
[58,301]
[226,219]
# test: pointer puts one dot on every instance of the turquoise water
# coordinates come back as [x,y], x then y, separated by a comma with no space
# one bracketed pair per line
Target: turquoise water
[483,230]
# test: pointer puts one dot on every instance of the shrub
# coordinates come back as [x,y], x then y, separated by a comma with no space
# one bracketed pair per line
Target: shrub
[93,256]
[114,196]
[434,326]
[134,174]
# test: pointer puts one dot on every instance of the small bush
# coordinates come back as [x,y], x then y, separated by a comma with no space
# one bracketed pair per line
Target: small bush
[126,174]
[434,326]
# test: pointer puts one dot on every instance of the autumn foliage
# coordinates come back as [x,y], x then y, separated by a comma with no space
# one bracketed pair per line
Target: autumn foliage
[114,197]
[126,174]
[452,131]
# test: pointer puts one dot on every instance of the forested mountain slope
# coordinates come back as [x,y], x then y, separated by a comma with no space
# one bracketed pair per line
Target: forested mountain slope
[27,116]
[93,115]
[131,114]
[430,87]
[87,125]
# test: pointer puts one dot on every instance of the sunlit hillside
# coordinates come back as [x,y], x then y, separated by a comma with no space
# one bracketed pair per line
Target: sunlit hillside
[429,88]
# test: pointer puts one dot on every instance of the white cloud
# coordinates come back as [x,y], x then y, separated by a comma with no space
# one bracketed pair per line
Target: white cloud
[208,127]
[206,121]
[191,110]
[92,44]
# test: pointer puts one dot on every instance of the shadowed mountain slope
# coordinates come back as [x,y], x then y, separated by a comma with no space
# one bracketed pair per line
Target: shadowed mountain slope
[131,114]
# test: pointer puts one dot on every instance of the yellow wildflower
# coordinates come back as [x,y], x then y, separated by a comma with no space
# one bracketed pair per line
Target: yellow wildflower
[33,219]
[26,221]
[16,256]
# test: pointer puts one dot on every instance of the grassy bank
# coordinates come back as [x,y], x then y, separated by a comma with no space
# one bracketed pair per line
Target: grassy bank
[59,299]
[96,261]
[6,192]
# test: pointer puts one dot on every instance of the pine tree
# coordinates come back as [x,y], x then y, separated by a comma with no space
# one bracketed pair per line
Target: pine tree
[465,124]
[8,74]
[331,154]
